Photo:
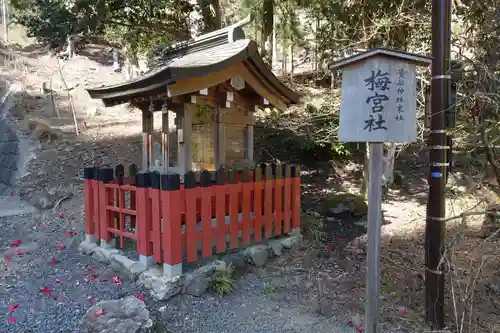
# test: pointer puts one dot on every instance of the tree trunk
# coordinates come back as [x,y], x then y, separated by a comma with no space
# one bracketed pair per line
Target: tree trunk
[491,61]
[366,175]
[218,14]
[71,50]
[283,57]
[274,61]
[388,168]
[267,30]
[117,66]
[132,68]
[209,18]
[5,21]
[491,158]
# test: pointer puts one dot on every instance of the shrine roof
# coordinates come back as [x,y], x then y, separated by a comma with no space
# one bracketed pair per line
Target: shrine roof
[210,53]
[384,52]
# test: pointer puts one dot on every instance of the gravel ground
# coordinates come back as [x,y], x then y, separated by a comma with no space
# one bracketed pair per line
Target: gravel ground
[253,308]
[49,296]
[52,296]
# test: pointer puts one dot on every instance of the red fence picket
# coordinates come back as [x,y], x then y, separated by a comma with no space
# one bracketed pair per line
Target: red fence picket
[173,219]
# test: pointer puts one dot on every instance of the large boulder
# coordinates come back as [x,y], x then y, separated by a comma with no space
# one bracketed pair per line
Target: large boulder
[161,287]
[126,315]
[344,204]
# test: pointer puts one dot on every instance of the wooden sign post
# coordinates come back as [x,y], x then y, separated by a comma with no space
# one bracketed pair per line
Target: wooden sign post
[378,105]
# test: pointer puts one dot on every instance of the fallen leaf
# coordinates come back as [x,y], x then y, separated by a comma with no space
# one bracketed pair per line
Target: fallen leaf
[91,277]
[16,243]
[139,297]
[12,307]
[99,312]
[11,320]
[116,279]
[46,291]
[60,247]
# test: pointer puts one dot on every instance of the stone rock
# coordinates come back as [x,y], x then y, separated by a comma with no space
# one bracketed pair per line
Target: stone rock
[344,204]
[363,222]
[291,241]
[399,177]
[324,253]
[161,287]
[165,315]
[276,247]
[130,267]
[200,280]
[87,247]
[220,265]
[356,320]
[331,219]
[41,201]
[105,255]
[258,255]
[339,209]
[235,259]
[119,316]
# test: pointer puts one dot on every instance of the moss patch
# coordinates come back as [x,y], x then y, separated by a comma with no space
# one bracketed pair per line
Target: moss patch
[356,204]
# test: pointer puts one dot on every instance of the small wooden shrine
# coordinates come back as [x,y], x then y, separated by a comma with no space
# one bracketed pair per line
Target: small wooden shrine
[177,207]
[207,91]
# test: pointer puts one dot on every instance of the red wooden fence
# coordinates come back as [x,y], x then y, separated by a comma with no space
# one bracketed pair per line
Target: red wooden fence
[176,222]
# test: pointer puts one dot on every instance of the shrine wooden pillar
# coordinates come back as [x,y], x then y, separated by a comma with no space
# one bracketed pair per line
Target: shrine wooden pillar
[165,130]
[220,153]
[147,132]
[184,138]
[249,142]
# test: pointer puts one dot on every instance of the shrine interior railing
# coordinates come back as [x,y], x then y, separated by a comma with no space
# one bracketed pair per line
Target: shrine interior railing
[174,223]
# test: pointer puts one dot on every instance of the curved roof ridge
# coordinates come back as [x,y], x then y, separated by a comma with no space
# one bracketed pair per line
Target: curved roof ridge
[210,53]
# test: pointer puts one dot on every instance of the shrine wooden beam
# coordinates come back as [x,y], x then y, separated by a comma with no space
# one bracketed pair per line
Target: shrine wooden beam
[247,72]
[257,82]
[229,97]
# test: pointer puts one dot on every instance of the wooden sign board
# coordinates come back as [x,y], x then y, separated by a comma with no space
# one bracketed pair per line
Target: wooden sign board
[378,101]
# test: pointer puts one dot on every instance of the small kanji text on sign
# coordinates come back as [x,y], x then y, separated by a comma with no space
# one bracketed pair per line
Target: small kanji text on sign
[400,91]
